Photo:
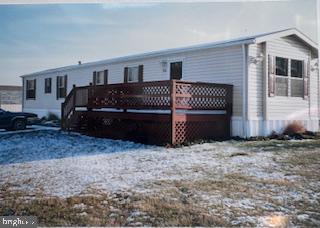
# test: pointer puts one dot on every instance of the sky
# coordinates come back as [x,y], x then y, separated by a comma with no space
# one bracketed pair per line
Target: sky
[39,37]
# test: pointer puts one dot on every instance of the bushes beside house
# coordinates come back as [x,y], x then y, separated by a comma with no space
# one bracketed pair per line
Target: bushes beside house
[51,120]
[294,128]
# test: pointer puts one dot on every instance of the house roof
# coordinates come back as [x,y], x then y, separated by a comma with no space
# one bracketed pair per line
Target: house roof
[243,40]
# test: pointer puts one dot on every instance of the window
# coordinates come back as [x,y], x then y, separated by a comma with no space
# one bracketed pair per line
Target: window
[281,66]
[296,68]
[31,89]
[176,70]
[133,74]
[47,85]
[61,86]
[99,78]
[297,87]
[289,77]
[281,86]
[296,78]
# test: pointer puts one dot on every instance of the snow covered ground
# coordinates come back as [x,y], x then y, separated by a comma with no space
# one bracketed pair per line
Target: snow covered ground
[241,176]
[64,164]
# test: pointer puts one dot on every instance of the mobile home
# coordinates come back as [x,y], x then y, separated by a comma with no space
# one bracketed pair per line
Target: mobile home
[275,78]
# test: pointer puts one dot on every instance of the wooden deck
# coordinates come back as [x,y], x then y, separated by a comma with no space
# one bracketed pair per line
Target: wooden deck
[157,112]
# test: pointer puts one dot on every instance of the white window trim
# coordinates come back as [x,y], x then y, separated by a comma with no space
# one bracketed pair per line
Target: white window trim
[97,76]
[137,67]
[288,77]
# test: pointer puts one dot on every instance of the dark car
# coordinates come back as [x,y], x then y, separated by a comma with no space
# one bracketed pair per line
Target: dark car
[16,120]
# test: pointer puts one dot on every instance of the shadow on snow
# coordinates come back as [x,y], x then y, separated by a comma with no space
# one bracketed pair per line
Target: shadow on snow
[49,144]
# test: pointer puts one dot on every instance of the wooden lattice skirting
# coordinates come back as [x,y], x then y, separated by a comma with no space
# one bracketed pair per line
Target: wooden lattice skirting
[152,128]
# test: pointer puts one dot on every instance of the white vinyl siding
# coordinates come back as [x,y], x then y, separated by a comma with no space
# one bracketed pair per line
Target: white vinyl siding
[280,108]
[314,94]
[221,65]
[255,82]
[288,107]
[218,65]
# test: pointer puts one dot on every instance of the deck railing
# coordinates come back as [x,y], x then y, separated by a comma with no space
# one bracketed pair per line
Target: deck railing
[170,95]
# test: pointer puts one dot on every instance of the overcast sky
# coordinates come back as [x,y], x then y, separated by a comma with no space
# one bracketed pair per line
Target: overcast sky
[38,37]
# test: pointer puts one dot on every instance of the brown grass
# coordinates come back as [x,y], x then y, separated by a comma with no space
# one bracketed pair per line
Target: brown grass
[99,210]
[176,213]
[55,211]
[306,158]
[294,128]
[250,179]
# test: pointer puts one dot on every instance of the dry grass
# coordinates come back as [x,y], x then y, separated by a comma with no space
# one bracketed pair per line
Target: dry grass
[177,213]
[305,158]
[179,203]
[54,211]
[250,179]
[105,210]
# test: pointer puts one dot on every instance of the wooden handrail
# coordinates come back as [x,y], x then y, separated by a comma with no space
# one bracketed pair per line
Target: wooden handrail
[167,95]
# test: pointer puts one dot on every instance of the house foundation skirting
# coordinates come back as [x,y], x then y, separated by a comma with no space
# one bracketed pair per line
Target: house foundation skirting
[252,128]
[260,127]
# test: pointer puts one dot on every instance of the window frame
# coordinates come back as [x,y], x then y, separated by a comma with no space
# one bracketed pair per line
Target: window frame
[99,73]
[287,71]
[298,60]
[289,77]
[47,89]
[60,87]
[28,89]
[130,71]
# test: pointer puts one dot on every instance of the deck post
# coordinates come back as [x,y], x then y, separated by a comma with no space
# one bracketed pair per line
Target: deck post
[62,116]
[229,99]
[173,111]
[90,95]
[74,97]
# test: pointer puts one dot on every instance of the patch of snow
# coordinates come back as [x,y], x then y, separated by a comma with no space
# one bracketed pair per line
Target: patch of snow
[302,217]
[80,206]
[83,214]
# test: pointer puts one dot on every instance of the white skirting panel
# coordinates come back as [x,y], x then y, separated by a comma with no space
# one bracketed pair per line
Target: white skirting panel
[265,128]
[237,126]
[43,112]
